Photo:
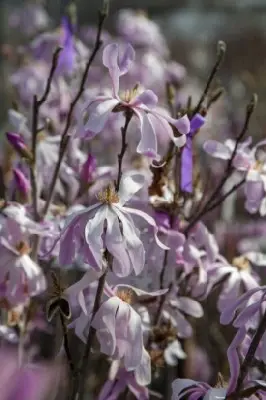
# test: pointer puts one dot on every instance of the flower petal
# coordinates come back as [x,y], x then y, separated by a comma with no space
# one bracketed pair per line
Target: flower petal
[148,143]
[96,113]
[131,183]
[217,149]
[147,98]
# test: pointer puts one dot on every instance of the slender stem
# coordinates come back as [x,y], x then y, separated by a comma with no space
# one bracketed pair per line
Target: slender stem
[211,207]
[228,171]
[120,156]
[65,137]
[37,103]
[220,57]
[66,344]
[91,336]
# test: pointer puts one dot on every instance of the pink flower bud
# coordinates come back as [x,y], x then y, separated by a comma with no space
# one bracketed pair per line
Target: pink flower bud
[88,169]
[21,182]
[18,143]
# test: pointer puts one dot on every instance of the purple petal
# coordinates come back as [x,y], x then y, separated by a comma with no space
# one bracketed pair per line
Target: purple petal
[147,98]
[217,149]
[148,143]
[183,125]
[187,167]
[98,112]
[197,122]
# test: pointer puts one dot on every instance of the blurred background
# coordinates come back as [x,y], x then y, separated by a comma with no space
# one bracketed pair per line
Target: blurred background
[192,28]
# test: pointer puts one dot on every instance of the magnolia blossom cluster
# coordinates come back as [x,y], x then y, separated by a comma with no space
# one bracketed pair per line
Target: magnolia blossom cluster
[107,248]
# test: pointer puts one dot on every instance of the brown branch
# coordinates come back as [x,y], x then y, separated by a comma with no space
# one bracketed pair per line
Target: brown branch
[65,137]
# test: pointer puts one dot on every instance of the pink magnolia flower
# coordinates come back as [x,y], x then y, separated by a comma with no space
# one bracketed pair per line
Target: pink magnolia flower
[136,28]
[245,160]
[20,276]
[192,390]
[177,308]
[85,229]
[96,112]
[232,277]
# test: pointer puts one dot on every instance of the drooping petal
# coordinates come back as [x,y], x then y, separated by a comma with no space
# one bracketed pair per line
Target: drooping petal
[197,122]
[233,358]
[143,370]
[147,98]
[190,306]
[187,167]
[118,59]
[217,149]
[133,354]
[105,318]
[228,314]
[93,233]
[150,221]
[148,142]
[183,125]
[95,114]
[131,183]
[116,245]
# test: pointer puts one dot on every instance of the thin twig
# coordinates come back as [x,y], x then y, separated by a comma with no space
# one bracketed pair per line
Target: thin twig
[221,49]
[228,170]
[66,344]
[35,130]
[120,156]
[65,137]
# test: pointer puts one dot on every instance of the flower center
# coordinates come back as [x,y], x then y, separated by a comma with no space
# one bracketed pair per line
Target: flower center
[128,95]
[241,263]
[125,295]
[108,195]
[257,166]
[23,248]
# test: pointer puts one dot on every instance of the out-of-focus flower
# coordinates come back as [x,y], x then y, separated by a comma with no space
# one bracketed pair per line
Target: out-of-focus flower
[29,19]
[31,381]
[137,29]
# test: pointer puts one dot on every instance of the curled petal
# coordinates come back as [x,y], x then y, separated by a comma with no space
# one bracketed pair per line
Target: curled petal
[183,125]
[118,58]
[147,98]
[217,149]
[131,183]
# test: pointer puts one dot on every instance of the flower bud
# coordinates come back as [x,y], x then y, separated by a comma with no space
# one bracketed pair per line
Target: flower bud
[18,143]
[22,185]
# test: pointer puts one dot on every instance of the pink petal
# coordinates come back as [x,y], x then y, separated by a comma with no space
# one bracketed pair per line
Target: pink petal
[150,221]
[147,98]
[98,112]
[133,353]
[217,149]
[148,143]
[118,58]
[190,306]
[130,184]
[183,125]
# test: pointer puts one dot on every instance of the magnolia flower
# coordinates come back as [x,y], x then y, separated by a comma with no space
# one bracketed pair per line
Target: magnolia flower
[176,309]
[139,30]
[96,112]
[246,160]
[233,277]
[192,390]
[20,277]
[84,230]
